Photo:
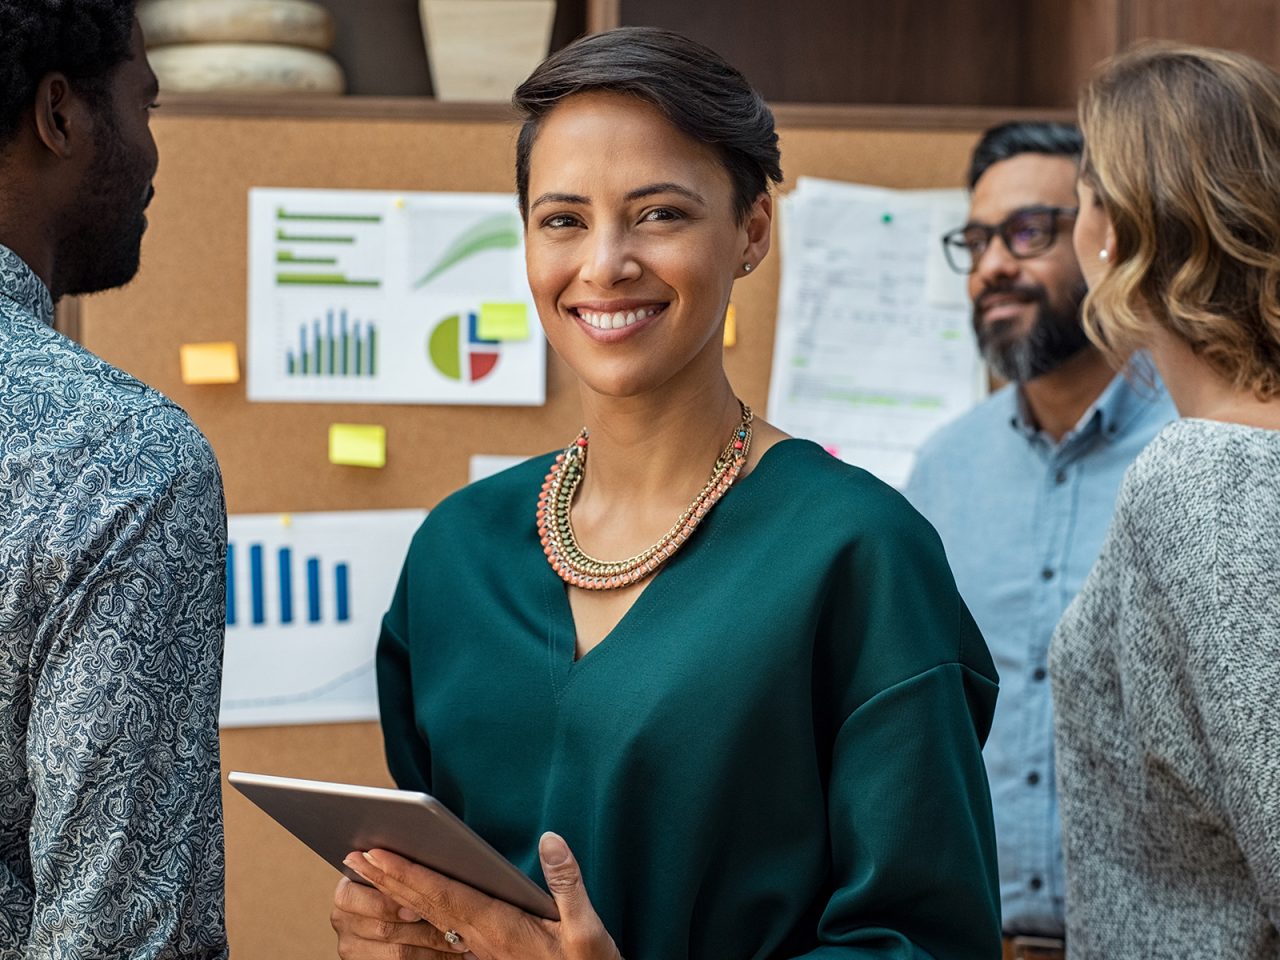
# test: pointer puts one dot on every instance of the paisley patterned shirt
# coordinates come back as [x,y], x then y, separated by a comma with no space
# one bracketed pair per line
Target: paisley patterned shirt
[112,542]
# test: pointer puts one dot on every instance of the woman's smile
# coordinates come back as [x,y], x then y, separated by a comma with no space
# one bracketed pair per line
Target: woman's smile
[611,322]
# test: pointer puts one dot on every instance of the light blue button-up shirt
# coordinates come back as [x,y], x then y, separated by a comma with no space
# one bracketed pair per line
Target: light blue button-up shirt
[1023,520]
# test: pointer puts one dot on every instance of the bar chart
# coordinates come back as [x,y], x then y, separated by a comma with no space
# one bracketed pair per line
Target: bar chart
[309,571]
[334,345]
[314,249]
[305,597]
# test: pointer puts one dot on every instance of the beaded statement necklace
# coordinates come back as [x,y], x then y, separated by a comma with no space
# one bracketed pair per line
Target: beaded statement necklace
[555,528]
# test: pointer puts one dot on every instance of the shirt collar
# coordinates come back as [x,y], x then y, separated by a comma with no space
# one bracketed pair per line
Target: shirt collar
[20,285]
[1128,393]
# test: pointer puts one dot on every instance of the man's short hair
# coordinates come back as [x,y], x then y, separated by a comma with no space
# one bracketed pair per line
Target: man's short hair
[1010,139]
[83,39]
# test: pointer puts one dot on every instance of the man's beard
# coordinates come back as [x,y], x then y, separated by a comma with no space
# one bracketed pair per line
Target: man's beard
[1054,338]
[104,249]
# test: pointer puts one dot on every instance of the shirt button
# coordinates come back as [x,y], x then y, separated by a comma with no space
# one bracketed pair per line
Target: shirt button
[1033,778]
[1060,477]
[1035,883]
[1039,674]
[1046,574]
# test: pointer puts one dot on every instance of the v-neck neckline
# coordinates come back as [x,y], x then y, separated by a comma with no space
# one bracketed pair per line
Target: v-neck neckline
[562,628]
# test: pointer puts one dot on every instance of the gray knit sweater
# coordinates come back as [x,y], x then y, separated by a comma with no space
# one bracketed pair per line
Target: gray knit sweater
[1166,685]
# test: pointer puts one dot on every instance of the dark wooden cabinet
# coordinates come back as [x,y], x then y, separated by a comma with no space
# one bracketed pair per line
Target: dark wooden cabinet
[988,53]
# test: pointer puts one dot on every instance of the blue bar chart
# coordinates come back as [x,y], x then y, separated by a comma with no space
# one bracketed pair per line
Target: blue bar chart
[305,597]
[284,588]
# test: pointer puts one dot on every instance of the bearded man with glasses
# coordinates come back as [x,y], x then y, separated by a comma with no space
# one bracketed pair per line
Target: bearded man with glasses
[1021,488]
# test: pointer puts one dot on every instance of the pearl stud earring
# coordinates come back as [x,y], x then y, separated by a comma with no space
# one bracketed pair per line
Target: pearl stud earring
[746,268]
[1104,255]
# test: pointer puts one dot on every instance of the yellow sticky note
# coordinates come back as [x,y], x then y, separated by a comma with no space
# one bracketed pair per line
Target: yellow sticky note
[503,321]
[358,445]
[731,326]
[209,363]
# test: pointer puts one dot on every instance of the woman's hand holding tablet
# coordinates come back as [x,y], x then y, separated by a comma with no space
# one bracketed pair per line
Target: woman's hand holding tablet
[462,918]
[427,881]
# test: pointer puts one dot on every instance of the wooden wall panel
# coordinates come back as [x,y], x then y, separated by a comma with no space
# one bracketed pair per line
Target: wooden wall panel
[942,52]
[192,288]
[1061,43]
[1250,26]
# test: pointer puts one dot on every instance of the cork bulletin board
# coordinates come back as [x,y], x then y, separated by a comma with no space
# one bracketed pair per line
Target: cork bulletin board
[274,456]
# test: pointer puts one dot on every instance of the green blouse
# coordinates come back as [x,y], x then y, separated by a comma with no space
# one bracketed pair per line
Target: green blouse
[776,753]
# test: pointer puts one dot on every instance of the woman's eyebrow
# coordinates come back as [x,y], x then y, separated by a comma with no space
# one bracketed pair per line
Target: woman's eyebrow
[572,198]
[639,193]
[668,187]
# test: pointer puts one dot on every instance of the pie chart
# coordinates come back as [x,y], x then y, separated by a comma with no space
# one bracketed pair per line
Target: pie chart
[456,350]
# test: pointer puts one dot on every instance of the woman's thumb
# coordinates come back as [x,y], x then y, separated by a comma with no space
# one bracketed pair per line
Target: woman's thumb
[564,878]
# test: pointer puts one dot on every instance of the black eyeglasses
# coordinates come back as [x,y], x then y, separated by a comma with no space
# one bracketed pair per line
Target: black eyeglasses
[1026,232]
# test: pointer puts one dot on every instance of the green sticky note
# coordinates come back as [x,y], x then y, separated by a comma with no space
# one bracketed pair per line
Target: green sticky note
[503,321]
[358,445]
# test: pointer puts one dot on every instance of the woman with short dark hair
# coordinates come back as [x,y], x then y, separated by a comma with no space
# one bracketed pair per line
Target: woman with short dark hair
[760,730]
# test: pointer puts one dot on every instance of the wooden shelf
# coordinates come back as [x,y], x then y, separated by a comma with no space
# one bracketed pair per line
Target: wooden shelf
[334,108]
[877,116]
[788,115]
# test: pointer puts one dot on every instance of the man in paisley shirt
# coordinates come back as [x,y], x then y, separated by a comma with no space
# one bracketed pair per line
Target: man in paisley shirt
[112,534]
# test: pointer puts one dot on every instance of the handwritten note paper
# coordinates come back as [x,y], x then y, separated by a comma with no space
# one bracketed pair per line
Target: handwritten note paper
[873,350]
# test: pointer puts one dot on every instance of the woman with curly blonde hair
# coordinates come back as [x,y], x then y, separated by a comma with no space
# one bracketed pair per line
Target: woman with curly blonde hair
[1166,666]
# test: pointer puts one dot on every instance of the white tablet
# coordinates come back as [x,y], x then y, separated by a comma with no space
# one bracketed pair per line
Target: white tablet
[333,819]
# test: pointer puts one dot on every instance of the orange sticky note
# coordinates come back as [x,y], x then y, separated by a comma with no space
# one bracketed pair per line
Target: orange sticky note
[358,445]
[209,363]
[731,326]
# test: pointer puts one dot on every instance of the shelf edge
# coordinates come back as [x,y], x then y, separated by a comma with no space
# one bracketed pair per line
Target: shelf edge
[787,115]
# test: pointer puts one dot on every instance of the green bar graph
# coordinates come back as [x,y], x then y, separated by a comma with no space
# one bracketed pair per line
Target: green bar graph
[284,256]
[283,214]
[326,347]
[323,280]
[284,237]
[323,249]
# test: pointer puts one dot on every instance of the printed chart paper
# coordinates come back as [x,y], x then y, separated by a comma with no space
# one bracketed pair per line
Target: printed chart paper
[305,597]
[874,349]
[360,296]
